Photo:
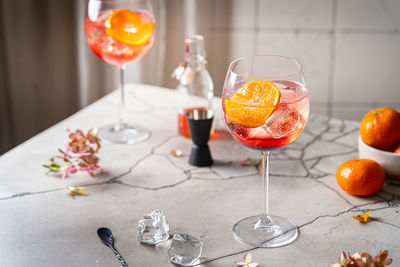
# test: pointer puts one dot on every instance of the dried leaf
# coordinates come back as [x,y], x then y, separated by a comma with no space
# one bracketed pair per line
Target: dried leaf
[249,162]
[363,218]
[176,153]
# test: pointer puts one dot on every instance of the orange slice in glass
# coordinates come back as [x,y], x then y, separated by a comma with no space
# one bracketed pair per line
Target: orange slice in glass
[128,27]
[253,104]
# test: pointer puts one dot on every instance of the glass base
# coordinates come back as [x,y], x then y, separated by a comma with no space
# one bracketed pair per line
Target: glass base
[123,134]
[265,231]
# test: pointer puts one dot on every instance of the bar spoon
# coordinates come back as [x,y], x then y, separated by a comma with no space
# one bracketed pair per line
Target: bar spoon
[106,236]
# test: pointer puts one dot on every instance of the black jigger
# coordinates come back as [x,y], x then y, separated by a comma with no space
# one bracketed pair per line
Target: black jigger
[200,122]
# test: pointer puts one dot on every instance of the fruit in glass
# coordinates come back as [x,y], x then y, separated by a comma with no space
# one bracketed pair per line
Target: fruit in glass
[265,106]
[120,32]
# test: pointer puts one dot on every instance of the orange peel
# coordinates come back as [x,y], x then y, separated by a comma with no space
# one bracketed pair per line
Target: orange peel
[128,27]
[253,104]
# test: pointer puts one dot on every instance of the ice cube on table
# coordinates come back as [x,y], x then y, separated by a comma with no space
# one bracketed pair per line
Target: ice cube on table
[153,228]
[185,250]
[282,122]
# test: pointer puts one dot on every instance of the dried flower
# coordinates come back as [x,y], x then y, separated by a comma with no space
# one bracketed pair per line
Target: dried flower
[363,260]
[249,162]
[73,191]
[247,261]
[176,153]
[363,218]
[78,155]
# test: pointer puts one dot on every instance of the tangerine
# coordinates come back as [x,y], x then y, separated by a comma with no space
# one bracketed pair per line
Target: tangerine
[360,177]
[253,104]
[129,27]
[380,128]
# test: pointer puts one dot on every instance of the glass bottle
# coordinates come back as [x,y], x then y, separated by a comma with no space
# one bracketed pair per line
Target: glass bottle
[195,88]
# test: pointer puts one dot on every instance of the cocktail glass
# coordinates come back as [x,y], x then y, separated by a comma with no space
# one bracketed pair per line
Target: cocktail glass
[262,126]
[120,32]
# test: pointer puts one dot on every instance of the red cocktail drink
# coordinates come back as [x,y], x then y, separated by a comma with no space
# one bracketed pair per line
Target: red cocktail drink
[110,49]
[282,127]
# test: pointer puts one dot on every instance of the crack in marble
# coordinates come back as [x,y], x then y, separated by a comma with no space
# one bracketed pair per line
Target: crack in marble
[227,178]
[387,223]
[343,135]
[153,188]
[109,181]
[190,175]
[352,209]
[382,197]
[334,154]
[30,193]
[335,191]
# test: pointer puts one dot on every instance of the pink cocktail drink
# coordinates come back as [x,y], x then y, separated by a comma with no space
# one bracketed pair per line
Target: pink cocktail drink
[265,105]
[119,32]
[110,49]
[282,127]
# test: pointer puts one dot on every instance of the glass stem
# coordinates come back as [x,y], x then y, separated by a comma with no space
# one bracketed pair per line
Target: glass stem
[122,108]
[265,220]
[265,182]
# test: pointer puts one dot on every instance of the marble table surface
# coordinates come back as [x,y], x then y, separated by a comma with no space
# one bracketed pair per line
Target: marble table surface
[42,226]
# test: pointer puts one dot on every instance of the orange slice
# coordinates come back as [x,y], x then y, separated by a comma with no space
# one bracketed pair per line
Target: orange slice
[128,27]
[253,104]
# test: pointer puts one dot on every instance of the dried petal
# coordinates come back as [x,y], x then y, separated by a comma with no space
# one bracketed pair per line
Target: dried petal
[342,257]
[363,218]
[79,133]
[247,261]
[388,261]
[356,255]
[363,260]
[73,191]
[80,191]
[70,190]
[79,151]
[72,169]
[176,153]
[247,257]
[365,255]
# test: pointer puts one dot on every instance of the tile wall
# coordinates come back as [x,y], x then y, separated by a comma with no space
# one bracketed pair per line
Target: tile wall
[350,49]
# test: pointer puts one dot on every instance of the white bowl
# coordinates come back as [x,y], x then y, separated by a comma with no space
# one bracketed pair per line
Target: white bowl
[388,160]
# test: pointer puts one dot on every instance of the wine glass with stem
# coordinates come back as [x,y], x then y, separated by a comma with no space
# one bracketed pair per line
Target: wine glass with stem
[265,106]
[120,32]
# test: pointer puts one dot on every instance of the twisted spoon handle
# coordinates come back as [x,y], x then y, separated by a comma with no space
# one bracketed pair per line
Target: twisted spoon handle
[119,257]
